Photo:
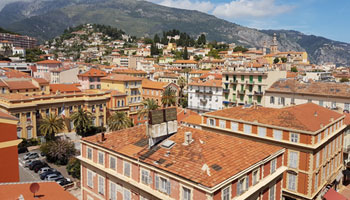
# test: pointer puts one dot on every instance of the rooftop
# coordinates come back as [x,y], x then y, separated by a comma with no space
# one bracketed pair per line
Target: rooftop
[64,88]
[207,149]
[47,191]
[49,62]
[185,62]
[210,83]
[93,72]
[304,117]
[153,84]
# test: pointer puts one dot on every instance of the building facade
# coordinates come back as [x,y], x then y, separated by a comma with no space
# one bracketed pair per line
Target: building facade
[312,136]
[91,79]
[19,40]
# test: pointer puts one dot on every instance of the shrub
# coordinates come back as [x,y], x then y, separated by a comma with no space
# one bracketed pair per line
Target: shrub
[59,151]
[73,167]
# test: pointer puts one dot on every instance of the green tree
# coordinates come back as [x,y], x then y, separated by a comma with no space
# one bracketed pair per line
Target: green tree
[118,121]
[276,60]
[148,105]
[154,50]
[185,55]
[168,97]
[201,40]
[156,38]
[294,69]
[343,80]
[58,151]
[50,126]
[73,167]
[82,121]
[240,48]
[284,59]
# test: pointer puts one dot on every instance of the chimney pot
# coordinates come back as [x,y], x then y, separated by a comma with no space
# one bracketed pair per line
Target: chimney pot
[188,138]
[103,137]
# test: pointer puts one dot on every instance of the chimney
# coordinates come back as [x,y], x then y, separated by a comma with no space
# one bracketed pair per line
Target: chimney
[315,114]
[188,138]
[103,138]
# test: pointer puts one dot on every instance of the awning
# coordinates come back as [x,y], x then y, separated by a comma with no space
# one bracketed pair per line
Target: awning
[333,195]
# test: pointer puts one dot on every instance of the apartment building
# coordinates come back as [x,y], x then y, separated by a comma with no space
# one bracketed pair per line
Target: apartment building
[8,148]
[129,85]
[131,72]
[185,64]
[287,92]
[189,165]
[312,136]
[204,96]
[19,40]
[247,87]
[30,108]
[64,75]
[154,90]
[91,79]
[44,68]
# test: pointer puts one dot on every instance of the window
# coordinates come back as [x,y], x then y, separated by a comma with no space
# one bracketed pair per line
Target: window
[247,128]
[316,181]
[145,177]
[19,132]
[255,177]
[317,159]
[186,193]
[262,131]
[101,185]
[127,169]
[211,122]
[112,191]
[92,86]
[323,173]
[89,153]
[277,134]
[162,184]
[222,124]
[292,101]
[101,158]
[242,185]
[234,126]
[272,100]
[112,162]
[272,193]
[320,103]
[29,132]
[292,181]
[126,194]
[294,137]
[89,179]
[293,159]
[273,166]
[226,193]
[319,137]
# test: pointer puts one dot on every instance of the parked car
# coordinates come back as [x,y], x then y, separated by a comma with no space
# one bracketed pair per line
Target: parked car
[33,163]
[51,171]
[44,169]
[22,150]
[31,155]
[42,154]
[64,181]
[27,163]
[39,166]
[53,177]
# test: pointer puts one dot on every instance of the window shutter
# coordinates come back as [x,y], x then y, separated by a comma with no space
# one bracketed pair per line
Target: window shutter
[247,183]
[238,189]
[168,187]
[157,182]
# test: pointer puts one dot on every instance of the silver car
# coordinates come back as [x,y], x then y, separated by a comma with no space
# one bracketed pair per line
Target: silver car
[53,177]
[44,169]
[31,155]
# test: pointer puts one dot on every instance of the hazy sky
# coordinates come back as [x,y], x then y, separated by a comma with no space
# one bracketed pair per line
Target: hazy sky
[327,18]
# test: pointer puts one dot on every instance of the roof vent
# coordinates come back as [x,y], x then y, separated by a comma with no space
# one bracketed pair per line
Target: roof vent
[188,138]
[216,167]
[168,144]
[315,114]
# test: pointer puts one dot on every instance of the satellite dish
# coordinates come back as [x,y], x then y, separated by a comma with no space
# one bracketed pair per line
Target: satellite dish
[34,188]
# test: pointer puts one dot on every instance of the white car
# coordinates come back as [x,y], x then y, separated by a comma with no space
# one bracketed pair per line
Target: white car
[53,177]
[31,155]
[44,169]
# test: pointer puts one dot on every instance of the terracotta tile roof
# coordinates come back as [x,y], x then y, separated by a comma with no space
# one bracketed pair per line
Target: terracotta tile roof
[153,84]
[211,83]
[11,73]
[121,77]
[216,76]
[41,80]
[47,191]
[128,71]
[305,117]
[93,72]
[4,115]
[64,88]
[20,84]
[207,148]
[193,119]
[49,62]
[312,88]
[185,62]
[199,72]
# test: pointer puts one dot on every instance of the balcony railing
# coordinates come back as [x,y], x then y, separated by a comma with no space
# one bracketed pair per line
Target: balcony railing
[250,82]
[241,91]
[258,92]
[226,90]
[234,81]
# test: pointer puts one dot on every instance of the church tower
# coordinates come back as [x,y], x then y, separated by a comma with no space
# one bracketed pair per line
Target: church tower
[274,45]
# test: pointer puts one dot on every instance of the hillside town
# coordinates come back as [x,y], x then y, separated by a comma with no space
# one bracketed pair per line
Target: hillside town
[99,114]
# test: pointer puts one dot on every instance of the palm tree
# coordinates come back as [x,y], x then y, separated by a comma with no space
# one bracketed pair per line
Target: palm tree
[182,82]
[148,105]
[118,121]
[169,97]
[51,125]
[82,120]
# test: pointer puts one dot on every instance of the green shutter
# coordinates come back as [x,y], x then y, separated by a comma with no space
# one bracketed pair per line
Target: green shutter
[242,77]
[259,78]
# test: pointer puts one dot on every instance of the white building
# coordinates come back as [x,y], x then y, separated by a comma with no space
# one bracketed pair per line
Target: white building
[204,96]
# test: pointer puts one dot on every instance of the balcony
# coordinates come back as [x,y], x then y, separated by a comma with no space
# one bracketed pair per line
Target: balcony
[226,90]
[200,108]
[204,92]
[134,86]
[203,101]
[259,93]
[234,81]
[241,91]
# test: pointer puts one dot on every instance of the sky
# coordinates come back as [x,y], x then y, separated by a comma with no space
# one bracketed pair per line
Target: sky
[326,18]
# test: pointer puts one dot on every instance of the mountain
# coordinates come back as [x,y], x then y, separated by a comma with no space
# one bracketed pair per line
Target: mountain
[46,19]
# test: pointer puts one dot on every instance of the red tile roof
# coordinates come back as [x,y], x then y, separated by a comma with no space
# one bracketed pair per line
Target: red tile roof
[93,72]
[210,83]
[185,62]
[49,62]
[41,81]
[64,88]
[305,117]
[47,191]
[4,115]
[207,148]
[153,84]
[20,84]
[193,119]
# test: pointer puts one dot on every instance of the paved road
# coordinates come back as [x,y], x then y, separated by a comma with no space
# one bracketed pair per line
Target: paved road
[26,175]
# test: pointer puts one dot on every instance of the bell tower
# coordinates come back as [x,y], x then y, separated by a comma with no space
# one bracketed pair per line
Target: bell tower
[274,45]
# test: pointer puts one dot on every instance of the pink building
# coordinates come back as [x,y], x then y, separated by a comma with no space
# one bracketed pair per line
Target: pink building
[91,79]
[191,164]
[44,68]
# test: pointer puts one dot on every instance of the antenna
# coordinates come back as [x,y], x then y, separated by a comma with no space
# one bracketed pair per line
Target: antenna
[34,188]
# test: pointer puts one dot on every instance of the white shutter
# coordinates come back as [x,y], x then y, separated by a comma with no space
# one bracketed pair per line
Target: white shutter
[234,126]
[247,128]
[262,131]
[168,188]
[157,182]
[277,134]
